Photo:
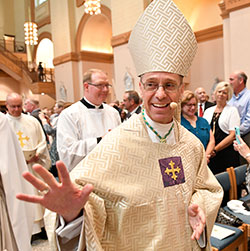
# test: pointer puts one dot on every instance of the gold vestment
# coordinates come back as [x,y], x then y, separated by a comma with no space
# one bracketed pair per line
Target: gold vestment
[130,208]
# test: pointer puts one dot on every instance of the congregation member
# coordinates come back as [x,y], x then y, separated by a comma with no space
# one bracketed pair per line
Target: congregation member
[81,126]
[33,144]
[16,219]
[131,100]
[58,107]
[223,119]
[241,100]
[195,124]
[31,107]
[116,105]
[152,189]
[203,103]
[50,129]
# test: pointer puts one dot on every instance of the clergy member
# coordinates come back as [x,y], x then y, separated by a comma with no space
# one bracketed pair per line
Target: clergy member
[82,125]
[32,141]
[152,189]
[16,219]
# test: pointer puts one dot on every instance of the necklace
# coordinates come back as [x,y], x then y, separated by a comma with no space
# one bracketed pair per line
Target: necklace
[215,118]
[162,139]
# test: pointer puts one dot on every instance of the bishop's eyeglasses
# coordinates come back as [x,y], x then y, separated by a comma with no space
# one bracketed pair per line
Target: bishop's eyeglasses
[100,86]
[151,85]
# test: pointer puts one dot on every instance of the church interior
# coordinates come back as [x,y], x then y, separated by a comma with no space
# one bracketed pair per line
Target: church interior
[70,41]
[47,45]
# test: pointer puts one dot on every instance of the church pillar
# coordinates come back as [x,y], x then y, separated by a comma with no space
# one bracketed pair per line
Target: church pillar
[63,28]
[236,30]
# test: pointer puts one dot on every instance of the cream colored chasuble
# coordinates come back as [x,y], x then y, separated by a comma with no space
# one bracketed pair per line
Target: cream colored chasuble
[140,200]
[16,217]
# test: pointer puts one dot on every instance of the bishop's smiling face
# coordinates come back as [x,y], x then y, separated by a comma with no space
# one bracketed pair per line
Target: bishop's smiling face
[157,102]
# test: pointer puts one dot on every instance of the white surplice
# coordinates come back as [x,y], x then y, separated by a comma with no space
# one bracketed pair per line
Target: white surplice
[79,127]
[31,136]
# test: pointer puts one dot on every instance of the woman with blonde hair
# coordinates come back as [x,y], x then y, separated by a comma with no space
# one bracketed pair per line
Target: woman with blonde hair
[223,119]
[196,125]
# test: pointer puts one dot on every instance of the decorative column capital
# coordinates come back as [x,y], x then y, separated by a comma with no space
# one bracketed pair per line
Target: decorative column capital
[228,6]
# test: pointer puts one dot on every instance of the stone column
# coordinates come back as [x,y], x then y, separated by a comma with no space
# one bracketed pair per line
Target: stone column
[236,30]
[63,28]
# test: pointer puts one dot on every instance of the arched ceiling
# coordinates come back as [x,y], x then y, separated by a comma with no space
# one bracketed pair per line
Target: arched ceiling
[97,34]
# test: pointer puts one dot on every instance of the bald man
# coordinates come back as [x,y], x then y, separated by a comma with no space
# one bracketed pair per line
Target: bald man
[241,99]
[203,104]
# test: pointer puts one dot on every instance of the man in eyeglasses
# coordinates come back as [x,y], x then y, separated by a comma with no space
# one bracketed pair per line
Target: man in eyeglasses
[152,189]
[81,126]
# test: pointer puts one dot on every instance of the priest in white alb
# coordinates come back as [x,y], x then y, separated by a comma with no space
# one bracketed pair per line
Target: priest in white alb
[146,185]
[32,141]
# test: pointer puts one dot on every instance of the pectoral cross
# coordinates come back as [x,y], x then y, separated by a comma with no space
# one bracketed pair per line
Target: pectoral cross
[21,139]
[172,170]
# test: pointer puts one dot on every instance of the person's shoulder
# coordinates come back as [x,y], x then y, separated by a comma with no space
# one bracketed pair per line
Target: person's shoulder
[247,93]
[203,121]
[211,108]
[30,118]
[184,122]
[188,137]
[35,112]
[229,109]
[106,106]
[208,111]
[110,108]
[138,109]
[209,104]
[3,119]
[74,108]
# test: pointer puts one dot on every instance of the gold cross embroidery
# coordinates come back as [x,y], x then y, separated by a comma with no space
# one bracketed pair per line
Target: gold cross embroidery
[21,139]
[172,170]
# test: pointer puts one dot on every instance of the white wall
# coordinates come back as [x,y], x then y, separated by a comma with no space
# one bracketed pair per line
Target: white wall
[238,44]
[123,62]
[208,64]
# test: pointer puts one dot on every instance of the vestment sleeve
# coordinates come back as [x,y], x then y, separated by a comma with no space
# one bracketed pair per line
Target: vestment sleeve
[245,124]
[207,194]
[67,236]
[234,119]
[42,149]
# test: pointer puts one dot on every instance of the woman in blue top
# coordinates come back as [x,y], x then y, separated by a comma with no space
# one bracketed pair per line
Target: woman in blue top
[196,125]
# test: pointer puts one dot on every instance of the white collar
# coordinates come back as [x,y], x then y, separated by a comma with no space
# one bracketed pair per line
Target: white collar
[162,129]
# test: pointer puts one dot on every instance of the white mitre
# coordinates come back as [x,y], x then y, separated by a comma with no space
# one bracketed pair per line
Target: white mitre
[162,40]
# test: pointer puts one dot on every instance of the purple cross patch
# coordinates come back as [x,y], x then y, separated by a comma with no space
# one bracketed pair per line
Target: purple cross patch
[172,171]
